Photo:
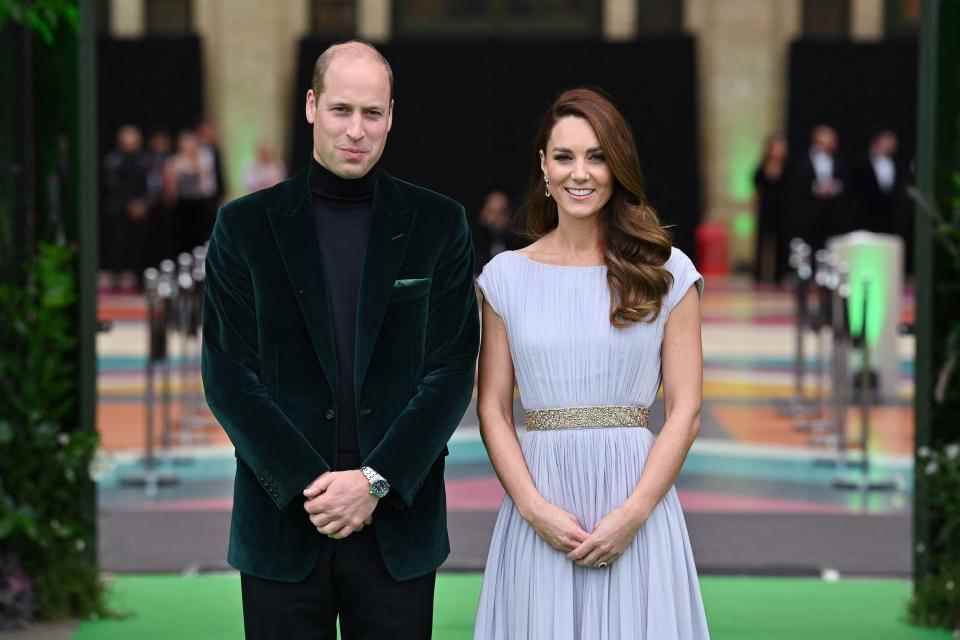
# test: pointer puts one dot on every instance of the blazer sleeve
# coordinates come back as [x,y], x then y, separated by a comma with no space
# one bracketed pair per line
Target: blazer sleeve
[415,440]
[264,437]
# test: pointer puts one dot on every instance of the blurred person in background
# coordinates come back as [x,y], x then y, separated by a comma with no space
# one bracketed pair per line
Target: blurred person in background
[123,228]
[206,133]
[493,232]
[770,199]
[880,186]
[162,197]
[265,170]
[818,181]
[194,169]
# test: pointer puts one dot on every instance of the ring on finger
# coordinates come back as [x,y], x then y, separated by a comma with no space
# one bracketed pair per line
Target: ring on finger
[602,565]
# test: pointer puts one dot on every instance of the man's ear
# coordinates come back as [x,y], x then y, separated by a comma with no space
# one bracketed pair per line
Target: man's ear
[390,116]
[311,106]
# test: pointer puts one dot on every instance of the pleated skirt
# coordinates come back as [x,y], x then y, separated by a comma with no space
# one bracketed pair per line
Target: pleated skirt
[533,592]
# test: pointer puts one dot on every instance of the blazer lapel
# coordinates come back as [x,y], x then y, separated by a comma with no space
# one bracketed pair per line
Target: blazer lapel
[389,235]
[296,234]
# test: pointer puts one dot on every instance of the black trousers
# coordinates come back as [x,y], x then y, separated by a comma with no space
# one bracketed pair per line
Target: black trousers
[349,581]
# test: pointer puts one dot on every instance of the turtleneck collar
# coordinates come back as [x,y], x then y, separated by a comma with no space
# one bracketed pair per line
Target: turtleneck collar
[327,185]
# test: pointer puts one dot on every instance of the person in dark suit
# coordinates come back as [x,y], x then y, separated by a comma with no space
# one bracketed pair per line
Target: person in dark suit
[206,134]
[340,338]
[770,182]
[125,223]
[880,186]
[818,181]
[494,232]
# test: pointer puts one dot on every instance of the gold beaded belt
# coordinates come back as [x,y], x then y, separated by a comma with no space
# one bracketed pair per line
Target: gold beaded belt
[587,417]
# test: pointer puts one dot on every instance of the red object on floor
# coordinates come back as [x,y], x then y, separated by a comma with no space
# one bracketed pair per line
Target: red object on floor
[713,249]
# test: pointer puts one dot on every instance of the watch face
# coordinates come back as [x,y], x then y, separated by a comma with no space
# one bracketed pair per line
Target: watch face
[379,488]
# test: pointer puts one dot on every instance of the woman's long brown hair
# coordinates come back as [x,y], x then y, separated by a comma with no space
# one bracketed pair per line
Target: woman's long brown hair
[636,246]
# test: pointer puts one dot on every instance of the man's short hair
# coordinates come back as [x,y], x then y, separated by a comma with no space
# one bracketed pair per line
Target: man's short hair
[323,63]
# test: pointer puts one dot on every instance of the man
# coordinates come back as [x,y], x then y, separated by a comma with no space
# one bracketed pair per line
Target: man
[207,135]
[340,341]
[124,227]
[879,185]
[494,233]
[818,202]
[880,182]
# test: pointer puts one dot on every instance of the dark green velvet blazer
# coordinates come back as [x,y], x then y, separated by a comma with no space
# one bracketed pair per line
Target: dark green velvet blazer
[270,372]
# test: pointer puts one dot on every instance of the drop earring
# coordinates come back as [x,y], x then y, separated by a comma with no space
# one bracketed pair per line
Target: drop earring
[546,182]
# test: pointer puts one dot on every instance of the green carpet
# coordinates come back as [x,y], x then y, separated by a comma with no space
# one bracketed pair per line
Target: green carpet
[208,607]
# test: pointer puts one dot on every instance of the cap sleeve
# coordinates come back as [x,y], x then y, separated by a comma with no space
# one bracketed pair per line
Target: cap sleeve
[489,284]
[685,275]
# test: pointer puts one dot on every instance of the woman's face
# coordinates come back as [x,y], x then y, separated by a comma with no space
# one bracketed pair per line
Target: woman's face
[187,144]
[580,179]
[778,149]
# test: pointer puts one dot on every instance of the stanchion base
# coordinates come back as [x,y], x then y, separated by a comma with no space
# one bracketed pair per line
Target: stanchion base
[833,463]
[815,425]
[863,484]
[795,408]
[150,480]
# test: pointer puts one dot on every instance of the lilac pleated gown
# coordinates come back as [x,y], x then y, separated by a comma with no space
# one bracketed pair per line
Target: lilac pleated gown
[566,354]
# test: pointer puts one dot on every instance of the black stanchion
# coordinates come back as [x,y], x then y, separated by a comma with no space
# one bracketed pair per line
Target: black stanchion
[190,278]
[167,291]
[819,322]
[839,371]
[800,404]
[174,297]
[148,475]
[866,386]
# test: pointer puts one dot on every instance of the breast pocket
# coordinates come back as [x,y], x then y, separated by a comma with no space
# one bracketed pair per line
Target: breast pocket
[409,289]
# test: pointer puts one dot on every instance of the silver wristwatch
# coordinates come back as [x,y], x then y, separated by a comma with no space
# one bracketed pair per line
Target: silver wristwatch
[379,487]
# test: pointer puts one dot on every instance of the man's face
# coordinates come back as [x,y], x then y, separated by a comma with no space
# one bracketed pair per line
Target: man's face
[888,144]
[129,140]
[825,138]
[353,115]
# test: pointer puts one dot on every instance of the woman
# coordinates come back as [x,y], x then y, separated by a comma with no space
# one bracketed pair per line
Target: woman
[770,259]
[265,170]
[196,181]
[590,542]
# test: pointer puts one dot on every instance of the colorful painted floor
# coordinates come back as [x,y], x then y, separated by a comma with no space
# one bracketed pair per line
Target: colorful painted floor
[750,460]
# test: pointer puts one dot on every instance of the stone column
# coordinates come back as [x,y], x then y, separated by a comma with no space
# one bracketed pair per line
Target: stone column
[866,19]
[374,20]
[742,48]
[619,20]
[250,50]
[128,18]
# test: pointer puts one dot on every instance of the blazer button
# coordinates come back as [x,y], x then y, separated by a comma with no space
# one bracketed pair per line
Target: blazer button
[366,412]
[330,414]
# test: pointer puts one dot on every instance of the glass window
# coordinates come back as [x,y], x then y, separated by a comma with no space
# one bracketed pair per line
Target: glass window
[826,18]
[336,18]
[497,17]
[169,17]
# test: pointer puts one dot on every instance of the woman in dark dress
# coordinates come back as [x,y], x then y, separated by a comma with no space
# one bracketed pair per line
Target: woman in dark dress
[770,257]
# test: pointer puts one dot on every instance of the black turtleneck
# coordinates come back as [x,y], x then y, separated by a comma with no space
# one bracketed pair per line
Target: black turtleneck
[343,209]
